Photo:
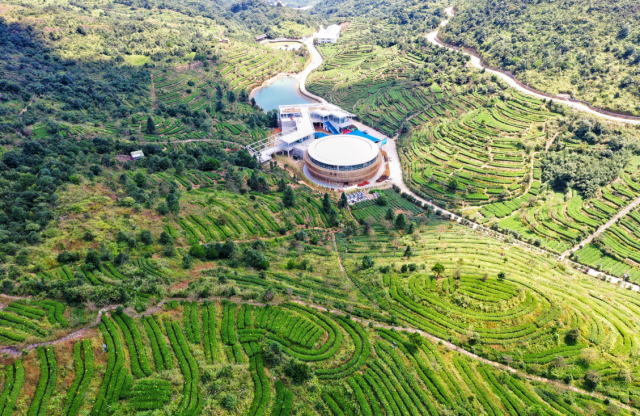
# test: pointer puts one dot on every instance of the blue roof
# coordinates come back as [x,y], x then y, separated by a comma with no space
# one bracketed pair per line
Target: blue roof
[366,136]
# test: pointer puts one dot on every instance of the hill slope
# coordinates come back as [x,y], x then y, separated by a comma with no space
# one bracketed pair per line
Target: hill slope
[588,48]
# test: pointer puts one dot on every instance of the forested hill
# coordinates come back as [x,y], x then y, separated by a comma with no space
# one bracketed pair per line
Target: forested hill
[410,15]
[241,18]
[589,48]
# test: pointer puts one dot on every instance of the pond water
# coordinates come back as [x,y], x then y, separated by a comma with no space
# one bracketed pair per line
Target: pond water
[280,92]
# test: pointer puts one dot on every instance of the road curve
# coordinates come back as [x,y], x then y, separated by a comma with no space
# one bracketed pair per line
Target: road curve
[316,61]
[432,37]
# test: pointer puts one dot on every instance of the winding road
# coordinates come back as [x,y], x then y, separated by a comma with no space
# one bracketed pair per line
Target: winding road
[432,37]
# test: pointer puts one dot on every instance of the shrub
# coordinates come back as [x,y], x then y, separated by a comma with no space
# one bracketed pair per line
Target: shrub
[298,371]
[146,237]
[229,402]
[197,251]
[67,257]
[367,262]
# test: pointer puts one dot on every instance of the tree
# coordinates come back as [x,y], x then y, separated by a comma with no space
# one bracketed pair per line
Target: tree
[140,179]
[258,182]
[326,203]
[343,203]
[334,217]
[412,228]
[180,167]
[438,269]
[273,354]
[165,238]
[228,249]
[219,106]
[173,204]
[231,96]
[367,262]
[452,183]
[229,402]
[350,227]
[197,251]
[416,339]
[210,163]
[256,259]
[502,276]
[282,185]
[146,237]
[92,260]
[390,215]
[151,126]
[401,221]
[120,259]
[573,335]
[289,197]
[592,378]
[382,201]
[163,209]
[187,261]
[407,252]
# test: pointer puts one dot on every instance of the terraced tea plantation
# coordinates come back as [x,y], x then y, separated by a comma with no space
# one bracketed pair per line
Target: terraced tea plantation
[20,322]
[480,157]
[377,83]
[501,302]
[239,357]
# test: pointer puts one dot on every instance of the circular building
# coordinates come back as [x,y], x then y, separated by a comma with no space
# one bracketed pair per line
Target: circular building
[343,159]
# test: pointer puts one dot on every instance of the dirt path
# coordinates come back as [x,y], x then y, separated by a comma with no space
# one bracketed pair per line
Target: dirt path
[550,142]
[432,37]
[624,211]
[24,110]
[153,93]
[344,271]
[199,140]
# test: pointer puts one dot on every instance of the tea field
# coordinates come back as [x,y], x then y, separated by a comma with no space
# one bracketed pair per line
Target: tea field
[218,357]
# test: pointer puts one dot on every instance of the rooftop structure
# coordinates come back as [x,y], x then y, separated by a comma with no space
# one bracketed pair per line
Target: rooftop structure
[342,151]
[261,37]
[343,159]
[137,154]
[329,34]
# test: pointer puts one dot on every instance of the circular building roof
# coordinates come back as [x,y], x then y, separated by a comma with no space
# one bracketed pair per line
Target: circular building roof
[343,150]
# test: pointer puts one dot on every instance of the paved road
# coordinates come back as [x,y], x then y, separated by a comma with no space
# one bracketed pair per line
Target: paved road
[316,61]
[475,61]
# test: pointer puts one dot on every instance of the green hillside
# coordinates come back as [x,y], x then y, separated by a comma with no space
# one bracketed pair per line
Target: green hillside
[585,48]
[197,281]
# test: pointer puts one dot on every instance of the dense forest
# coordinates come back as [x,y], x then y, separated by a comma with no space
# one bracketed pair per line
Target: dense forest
[589,49]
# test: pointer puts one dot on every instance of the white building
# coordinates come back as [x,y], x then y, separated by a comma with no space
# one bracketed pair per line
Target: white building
[328,35]
[137,154]
[297,123]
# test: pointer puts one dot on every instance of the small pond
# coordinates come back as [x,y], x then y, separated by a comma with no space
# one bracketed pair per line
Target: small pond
[280,92]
